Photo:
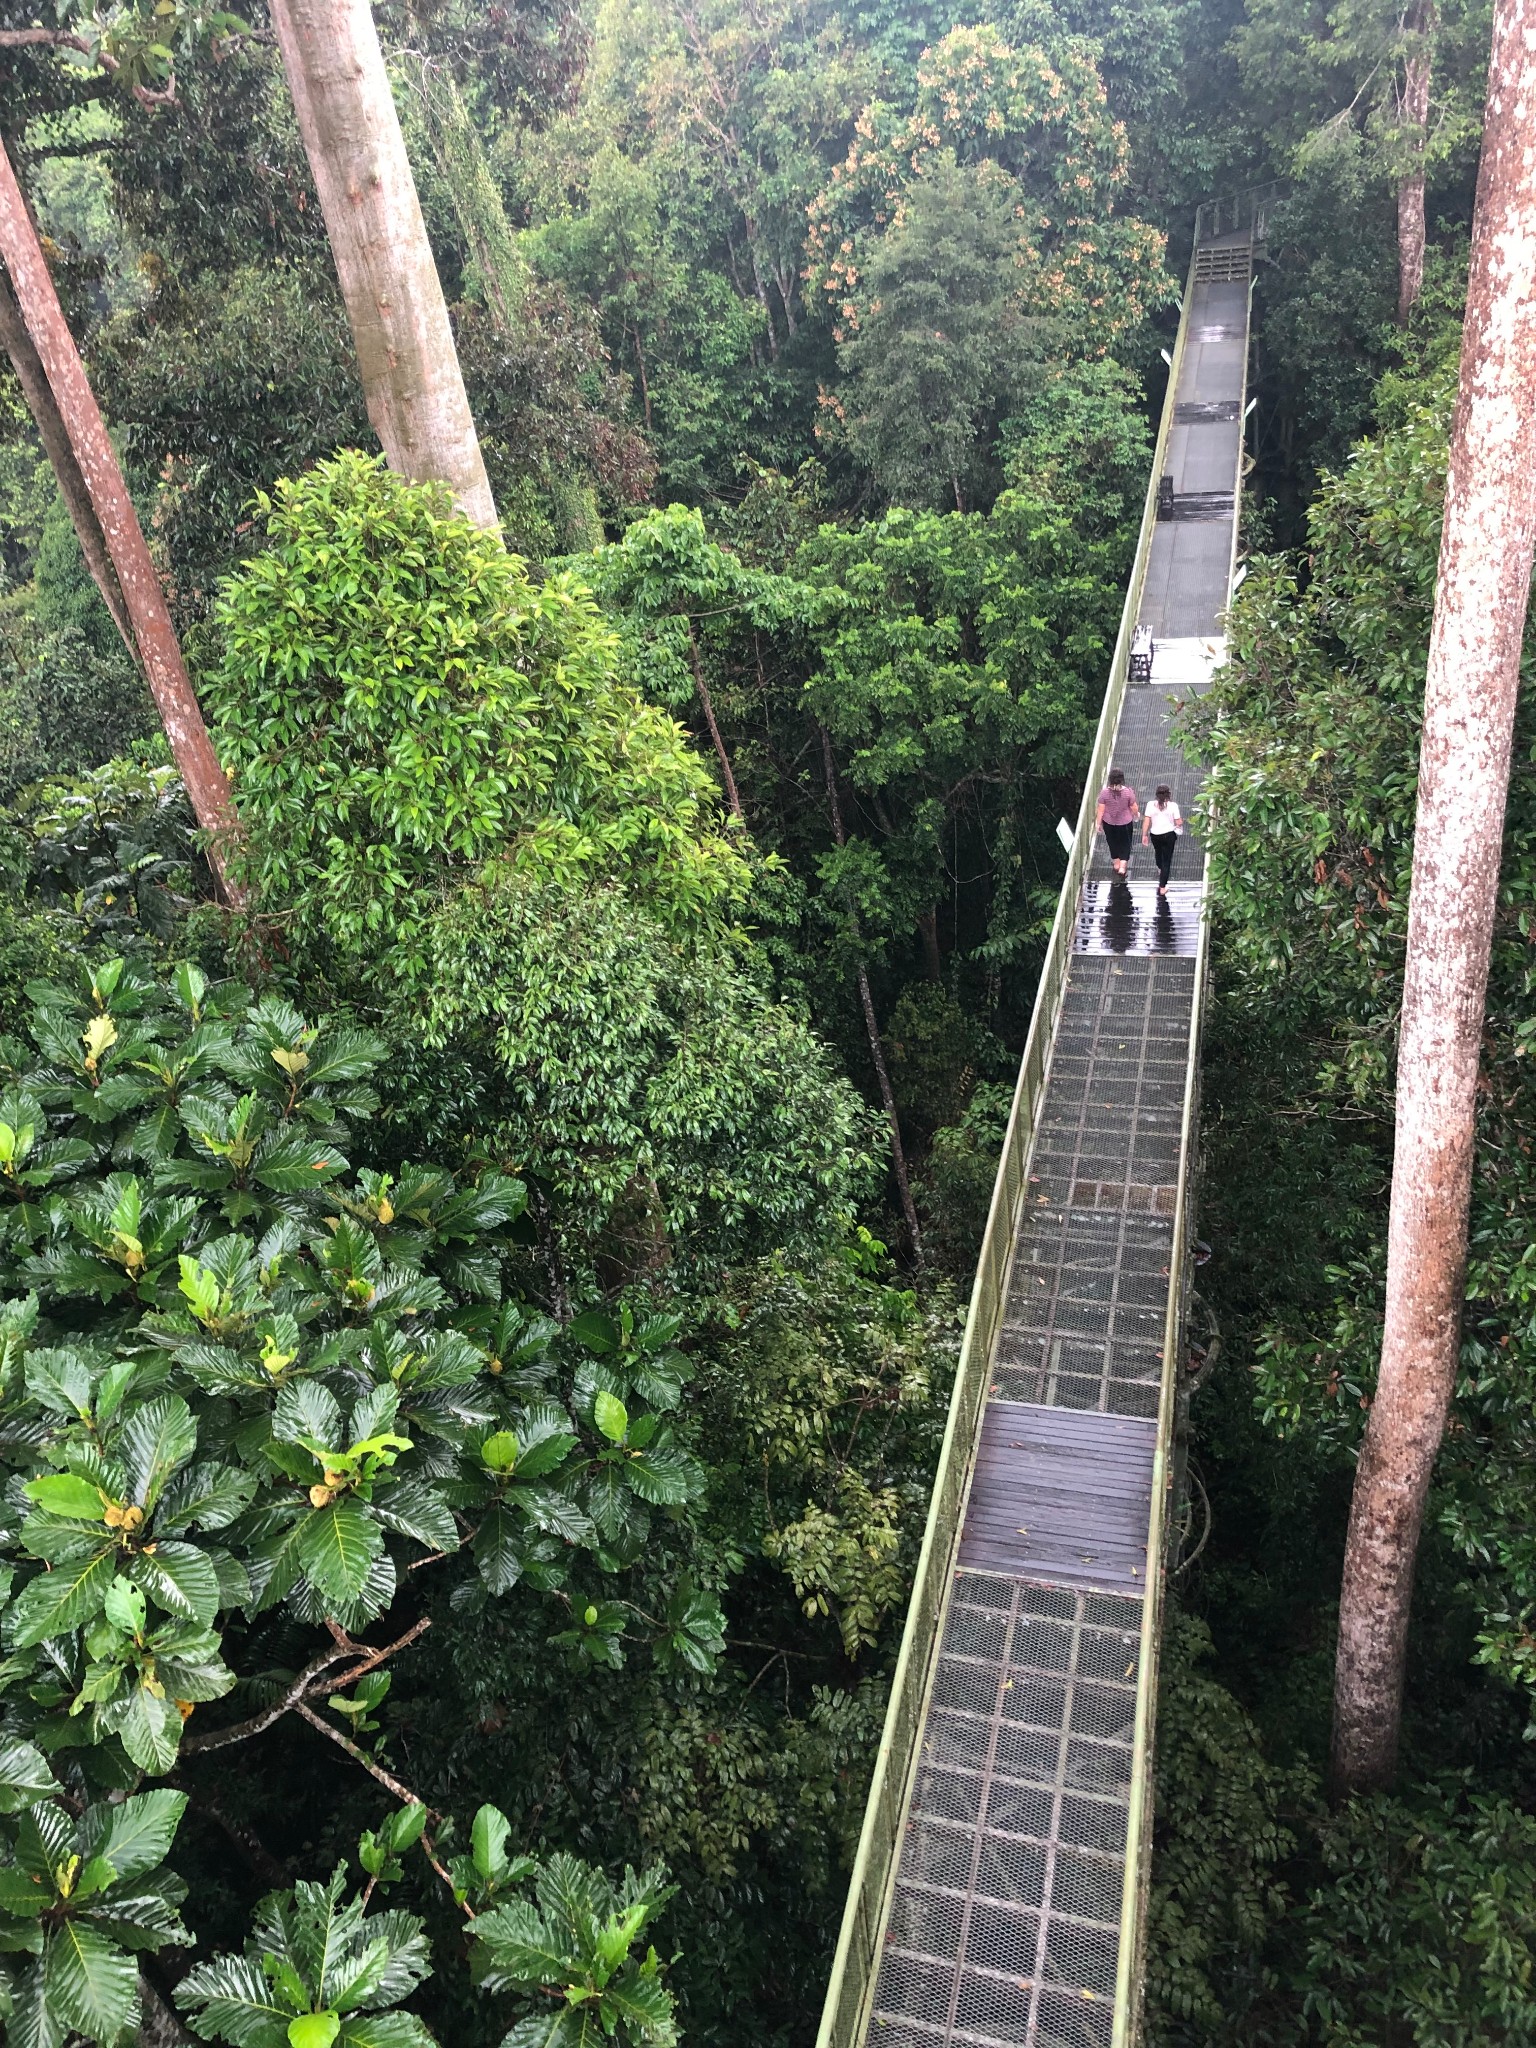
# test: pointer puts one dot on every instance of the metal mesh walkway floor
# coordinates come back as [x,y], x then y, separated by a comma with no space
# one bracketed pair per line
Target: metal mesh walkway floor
[1005,1921]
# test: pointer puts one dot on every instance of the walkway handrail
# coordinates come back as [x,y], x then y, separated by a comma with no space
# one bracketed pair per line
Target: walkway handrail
[1238,213]
[855,1965]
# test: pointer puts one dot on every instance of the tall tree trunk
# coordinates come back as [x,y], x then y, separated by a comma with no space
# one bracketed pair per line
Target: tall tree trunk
[95,462]
[384,262]
[872,1025]
[732,796]
[1421,23]
[53,434]
[928,931]
[1469,708]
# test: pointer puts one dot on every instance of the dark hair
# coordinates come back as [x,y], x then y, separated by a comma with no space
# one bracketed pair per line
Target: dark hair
[1164,793]
[1116,777]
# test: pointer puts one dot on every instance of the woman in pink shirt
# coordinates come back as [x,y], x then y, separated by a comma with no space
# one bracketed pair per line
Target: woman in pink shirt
[1118,812]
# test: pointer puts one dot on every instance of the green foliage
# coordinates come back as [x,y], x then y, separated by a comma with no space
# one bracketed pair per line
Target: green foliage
[1424,1928]
[114,851]
[401,706]
[319,1971]
[82,1891]
[1226,1820]
[244,1379]
[572,1942]
[981,215]
[672,1110]
[941,342]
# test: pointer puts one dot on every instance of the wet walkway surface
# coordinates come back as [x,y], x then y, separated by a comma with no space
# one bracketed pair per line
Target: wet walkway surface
[1005,1923]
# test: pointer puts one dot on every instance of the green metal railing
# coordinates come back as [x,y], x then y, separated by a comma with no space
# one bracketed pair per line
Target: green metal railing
[1131,1972]
[856,1962]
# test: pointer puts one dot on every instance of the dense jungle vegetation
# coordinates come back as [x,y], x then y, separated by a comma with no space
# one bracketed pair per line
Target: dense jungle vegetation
[536,1236]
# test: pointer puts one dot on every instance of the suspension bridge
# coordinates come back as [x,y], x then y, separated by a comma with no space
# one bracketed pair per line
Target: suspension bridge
[999,1893]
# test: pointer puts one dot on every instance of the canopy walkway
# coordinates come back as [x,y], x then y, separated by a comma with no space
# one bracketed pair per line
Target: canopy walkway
[999,1892]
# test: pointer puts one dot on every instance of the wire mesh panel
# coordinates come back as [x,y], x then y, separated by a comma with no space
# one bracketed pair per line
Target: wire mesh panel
[1005,1925]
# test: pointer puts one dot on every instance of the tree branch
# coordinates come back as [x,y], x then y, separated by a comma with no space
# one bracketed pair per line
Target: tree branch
[307,1682]
[391,1784]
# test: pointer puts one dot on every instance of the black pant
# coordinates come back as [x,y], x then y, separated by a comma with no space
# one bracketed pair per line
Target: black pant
[1118,839]
[1163,844]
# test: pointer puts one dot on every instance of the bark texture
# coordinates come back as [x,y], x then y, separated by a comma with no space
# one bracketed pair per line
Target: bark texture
[1413,107]
[54,435]
[1469,707]
[95,461]
[384,262]
[707,705]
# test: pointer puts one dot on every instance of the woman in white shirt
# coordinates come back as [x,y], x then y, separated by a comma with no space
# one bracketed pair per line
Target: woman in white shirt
[1161,824]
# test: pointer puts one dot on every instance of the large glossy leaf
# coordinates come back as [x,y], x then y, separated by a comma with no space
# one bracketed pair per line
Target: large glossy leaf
[65,1493]
[415,1509]
[178,1577]
[517,1947]
[337,1544]
[408,1960]
[137,1835]
[665,1476]
[31,2022]
[148,1725]
[230,1999]
[640,1999]
[142,1914]
[497,1548]
[154,1441]
[306,1408]
[204,1496]
[62,1599]
[383,2030]
[561,2027]
[24,1775]
[91,1983]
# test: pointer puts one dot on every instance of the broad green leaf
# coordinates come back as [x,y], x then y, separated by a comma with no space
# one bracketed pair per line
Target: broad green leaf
[178,1577]
[91,1983]
[24,1775]
[518,1947]
[61,1599]
[149,1728]
[500,1451]
[314,2030]
[563,2027]
[154,1441]
[595,1331]
[488,1841]
[337,1544]
[610,1415]
[414,1509]
[59,1381]
[384,2030]
[231,1999]
[124,1606]
[139,1832]
[62,1493]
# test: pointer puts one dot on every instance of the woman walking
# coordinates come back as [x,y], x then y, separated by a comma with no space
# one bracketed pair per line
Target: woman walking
[1162,826]
[1118,812]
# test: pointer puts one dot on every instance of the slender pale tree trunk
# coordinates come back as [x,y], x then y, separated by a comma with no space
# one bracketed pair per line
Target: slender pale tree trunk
[1469,708]
[1421,23]
[872,1025]
[384,263]
[94,464]
[728,774]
